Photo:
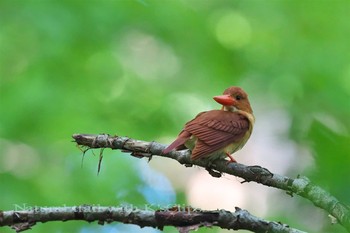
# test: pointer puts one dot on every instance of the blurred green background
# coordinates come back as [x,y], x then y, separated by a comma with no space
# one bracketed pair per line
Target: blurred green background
[142,68]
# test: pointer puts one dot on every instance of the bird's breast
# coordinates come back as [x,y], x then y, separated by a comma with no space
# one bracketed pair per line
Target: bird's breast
[234,146]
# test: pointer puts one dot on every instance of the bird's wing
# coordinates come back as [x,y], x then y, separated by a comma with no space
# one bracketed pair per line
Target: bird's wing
[178,143]
[215,130]
[181,139]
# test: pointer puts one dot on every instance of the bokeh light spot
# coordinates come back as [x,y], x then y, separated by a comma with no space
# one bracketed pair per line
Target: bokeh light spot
[147,56]
[232,30]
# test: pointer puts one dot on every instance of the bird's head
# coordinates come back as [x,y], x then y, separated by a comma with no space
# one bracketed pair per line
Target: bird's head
[234,99]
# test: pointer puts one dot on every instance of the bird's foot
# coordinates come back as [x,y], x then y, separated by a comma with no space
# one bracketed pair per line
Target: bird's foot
[232,160]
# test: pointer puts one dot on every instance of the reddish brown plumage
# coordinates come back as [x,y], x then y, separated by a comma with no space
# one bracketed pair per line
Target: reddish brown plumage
[218,131]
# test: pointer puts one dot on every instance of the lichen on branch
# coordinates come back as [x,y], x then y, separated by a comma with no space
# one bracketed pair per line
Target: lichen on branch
[184,219]
[301,186]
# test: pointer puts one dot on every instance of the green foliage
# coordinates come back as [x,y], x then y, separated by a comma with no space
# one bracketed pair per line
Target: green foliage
[141,69]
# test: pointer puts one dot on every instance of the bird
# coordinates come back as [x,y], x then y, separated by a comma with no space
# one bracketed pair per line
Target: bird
[216,134]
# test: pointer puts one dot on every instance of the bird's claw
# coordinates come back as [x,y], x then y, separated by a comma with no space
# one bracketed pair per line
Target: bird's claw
[232,160]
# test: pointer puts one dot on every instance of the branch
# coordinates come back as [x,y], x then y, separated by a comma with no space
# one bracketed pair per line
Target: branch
[301,186]
[185,219]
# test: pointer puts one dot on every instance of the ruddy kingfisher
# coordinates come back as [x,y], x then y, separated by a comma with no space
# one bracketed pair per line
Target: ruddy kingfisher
[216,134]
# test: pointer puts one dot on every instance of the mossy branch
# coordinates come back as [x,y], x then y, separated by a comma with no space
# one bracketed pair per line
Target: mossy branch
[301,186]
[185,219]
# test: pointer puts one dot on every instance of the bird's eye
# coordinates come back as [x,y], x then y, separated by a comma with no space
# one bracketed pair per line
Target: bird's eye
[238,97]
